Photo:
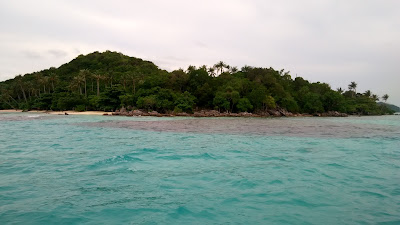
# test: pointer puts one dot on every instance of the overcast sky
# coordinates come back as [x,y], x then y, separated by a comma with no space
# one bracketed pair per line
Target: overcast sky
[329,41]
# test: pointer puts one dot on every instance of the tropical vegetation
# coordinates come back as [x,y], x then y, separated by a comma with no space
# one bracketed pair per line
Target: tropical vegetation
[110,80]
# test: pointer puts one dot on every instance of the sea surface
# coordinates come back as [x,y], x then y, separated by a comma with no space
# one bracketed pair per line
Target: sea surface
[57,169]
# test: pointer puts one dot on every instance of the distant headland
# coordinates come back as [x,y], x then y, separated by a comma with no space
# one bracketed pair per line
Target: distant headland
[123,85]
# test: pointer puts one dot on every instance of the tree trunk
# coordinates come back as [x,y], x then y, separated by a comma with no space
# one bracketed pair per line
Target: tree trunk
[8,103]
[85,88]
[98,87]
[23,93]
[13,99]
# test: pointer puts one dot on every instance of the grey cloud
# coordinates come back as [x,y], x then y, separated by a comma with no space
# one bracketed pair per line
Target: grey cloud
[31,54]
[57,53]
[330,41]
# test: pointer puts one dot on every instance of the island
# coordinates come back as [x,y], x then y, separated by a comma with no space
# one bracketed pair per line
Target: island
[114,83]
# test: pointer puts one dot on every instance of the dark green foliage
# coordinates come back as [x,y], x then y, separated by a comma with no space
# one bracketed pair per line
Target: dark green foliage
[257,97]
[110,80]
[148,102]
[220,102]
[312,103]
[290,104]
[110,98]
[269,102]
[244,105]
[333,101]
[43,102]
[184,102]
[66,100]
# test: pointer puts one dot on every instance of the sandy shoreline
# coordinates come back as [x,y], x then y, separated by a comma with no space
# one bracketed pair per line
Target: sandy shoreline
[56,112]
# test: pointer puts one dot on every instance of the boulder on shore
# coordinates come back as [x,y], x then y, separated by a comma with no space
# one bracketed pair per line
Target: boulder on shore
[154,113]
[199,114]
[279,112]
[334,114]
[211,113]
[245,114]
[274,112]
[137,113]
[284,112]
[182,114]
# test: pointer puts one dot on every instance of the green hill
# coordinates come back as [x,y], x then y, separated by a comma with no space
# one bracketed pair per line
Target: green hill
[390,106]
[110,80]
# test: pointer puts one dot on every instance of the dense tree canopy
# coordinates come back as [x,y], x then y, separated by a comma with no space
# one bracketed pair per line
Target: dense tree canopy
[110,80]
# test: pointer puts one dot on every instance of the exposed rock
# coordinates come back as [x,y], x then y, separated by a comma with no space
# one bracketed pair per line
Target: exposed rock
[154,113]
[211,113]
[246,114]
[182,114]
[284,112]
[334,114]
[123,110]
[279,112]
[233,115]
[274,112]
[199,114]
[261,113]
[137,113]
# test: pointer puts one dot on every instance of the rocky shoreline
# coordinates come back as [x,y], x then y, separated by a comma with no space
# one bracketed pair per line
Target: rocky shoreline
[215,113]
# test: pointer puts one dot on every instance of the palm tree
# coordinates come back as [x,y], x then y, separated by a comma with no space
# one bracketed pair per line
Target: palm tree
[203,67]
[234,69]
[21,85]
[98,77]
[353,86]
[124,78]
[6,96]
[191,68]
[220,66]
[375,97]
[53,78]
[44,81]
[340,90]
[385,97]
[136,77]
[211,71]
[246,68]
[38,77]
[368,93]
[29,89]
[108,77]
[77,83]
[84,74]
[227,66]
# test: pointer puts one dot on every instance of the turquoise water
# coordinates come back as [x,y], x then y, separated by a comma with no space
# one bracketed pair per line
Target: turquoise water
[120,170]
